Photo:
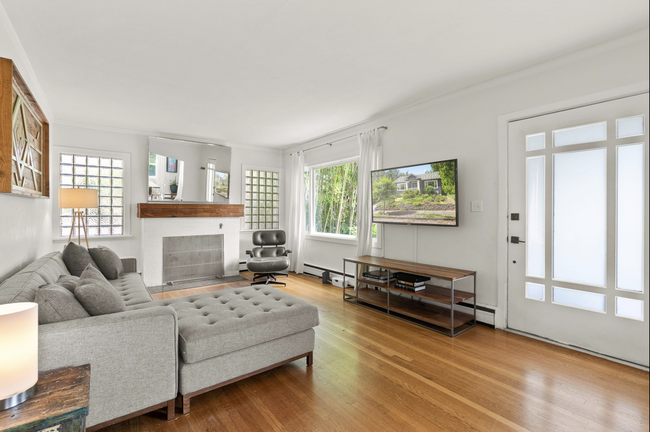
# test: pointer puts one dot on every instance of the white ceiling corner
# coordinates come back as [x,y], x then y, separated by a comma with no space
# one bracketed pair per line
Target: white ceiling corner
[276,72]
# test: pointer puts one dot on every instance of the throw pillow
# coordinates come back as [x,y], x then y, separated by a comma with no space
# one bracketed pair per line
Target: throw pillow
[56,304]
[68,282]
[107,261]
[76,258]
[96,295]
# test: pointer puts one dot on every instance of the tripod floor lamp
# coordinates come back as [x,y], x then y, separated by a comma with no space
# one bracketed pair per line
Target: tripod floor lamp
[78,199]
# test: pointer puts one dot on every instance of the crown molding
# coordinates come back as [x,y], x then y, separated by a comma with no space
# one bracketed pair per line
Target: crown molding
[27,71]
[496,82]
[152,133]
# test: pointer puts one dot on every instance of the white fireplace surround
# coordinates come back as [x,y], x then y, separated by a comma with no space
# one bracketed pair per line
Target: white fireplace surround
[154,229]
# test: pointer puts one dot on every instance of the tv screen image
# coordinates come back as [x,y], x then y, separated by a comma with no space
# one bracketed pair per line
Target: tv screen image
[423,194]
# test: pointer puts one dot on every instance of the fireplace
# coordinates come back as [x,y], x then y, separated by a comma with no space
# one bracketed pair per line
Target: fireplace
[192,257]
[156,230]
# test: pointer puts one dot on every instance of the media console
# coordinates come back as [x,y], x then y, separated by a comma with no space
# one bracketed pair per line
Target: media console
[434,307]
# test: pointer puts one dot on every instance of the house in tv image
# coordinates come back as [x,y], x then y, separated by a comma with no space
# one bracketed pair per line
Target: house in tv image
[420,182]
[419,194]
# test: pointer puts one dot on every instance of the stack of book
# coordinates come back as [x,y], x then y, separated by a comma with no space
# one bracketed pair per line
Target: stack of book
[410,281]
[380,276]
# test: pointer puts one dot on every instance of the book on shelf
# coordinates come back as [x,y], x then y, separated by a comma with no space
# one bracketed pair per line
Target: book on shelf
[409,287]
[408,277]
[411,284]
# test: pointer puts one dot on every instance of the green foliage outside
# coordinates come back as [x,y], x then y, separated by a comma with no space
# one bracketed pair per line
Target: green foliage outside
[447,172]
[335,199]
[430,190]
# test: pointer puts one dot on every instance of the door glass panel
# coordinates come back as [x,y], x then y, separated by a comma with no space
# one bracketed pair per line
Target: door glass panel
[534,291]
[629,217]
[535,216]
[580,217]
[580,134]
[631,126]
[580,299]
[535,141]
[629,308]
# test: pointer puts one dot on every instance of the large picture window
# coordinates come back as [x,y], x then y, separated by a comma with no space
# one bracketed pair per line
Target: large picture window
[261,199]
[104,174]
[335,199]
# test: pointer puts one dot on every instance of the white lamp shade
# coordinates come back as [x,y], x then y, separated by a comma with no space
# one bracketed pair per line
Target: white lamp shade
[18,348]
[77,198]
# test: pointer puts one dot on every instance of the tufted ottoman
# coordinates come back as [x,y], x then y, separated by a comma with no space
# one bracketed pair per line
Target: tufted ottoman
[225,336]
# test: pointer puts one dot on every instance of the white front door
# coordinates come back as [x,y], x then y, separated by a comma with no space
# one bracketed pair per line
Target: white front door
[578,204]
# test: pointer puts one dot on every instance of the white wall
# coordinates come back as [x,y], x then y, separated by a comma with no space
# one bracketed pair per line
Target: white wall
[137,147]
[465,127]
[25,232]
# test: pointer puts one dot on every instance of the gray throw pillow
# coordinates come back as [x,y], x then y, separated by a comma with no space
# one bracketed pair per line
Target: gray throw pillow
[68,282]
[76,258]
[56,304]
[96,295]
[107,261]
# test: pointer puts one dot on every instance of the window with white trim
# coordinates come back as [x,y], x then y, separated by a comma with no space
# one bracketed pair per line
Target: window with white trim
[332,195]
[106,175]
[261,199]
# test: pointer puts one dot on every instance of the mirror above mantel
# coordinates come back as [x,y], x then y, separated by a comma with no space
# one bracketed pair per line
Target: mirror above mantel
[188,172]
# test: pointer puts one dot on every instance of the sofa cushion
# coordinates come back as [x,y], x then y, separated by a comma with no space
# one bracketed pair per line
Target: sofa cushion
[131,288]
[68,282]
[56,304]
[77,258]
[107,261]
[96,295]
[220,322]
[22,286]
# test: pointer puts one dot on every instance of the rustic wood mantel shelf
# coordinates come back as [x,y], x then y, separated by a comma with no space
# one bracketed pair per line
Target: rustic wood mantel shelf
[159,210]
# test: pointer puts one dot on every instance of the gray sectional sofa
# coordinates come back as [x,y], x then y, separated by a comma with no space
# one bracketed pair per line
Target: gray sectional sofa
[144,358]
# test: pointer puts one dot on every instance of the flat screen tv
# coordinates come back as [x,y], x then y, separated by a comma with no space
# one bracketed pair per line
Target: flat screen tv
[423,194]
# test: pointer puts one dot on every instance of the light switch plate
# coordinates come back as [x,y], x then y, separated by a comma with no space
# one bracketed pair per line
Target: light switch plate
[477,206]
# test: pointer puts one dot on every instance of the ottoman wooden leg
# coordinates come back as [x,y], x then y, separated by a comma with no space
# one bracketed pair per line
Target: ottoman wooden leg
[310,359]
[185,403]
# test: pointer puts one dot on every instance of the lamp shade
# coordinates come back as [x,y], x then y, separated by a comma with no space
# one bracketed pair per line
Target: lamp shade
[18,348]
[77,198]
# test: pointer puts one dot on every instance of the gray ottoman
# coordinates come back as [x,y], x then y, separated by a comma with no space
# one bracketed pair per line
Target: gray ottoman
[225,336]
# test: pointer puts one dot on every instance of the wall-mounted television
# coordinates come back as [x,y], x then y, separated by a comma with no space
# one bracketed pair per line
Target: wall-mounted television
[423,194]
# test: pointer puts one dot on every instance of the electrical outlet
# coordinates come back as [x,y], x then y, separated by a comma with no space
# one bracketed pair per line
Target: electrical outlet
[477,206]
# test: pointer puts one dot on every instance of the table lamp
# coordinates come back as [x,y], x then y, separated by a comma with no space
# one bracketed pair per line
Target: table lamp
[18,353]
[78,199]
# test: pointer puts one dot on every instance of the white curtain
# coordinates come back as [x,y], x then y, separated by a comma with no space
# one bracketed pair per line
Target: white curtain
[368,161]
[296,226]
[181,180]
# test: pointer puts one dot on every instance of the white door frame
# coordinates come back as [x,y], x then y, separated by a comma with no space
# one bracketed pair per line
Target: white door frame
[501,316]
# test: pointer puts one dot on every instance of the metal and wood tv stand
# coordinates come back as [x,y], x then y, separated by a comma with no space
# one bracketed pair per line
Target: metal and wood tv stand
[434,307]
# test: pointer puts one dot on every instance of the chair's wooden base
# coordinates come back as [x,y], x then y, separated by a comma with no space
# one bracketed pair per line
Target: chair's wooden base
[170,411]
[184,400]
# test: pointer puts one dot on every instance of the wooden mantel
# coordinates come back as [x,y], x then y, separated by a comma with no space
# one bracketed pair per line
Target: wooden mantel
[161,210]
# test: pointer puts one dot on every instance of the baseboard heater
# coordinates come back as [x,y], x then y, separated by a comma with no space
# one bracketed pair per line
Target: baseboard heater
[319,272]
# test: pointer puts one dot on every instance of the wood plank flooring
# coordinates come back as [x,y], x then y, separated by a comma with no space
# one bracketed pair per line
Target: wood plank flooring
[375,373]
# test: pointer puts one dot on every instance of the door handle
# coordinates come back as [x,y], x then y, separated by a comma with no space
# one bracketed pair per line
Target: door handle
[515,240]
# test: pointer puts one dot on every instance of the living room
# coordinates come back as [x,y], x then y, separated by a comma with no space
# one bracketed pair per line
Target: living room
[284,86]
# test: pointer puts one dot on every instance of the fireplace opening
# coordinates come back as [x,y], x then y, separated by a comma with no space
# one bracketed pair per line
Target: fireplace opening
[187,258]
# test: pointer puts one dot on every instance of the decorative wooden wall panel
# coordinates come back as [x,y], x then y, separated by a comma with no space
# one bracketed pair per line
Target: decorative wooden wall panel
[24,137]
[151,210]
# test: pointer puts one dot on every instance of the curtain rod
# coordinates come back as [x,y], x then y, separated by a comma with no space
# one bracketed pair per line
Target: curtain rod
[332,142]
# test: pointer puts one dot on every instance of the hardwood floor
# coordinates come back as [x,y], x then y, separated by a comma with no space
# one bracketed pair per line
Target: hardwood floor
[375,373]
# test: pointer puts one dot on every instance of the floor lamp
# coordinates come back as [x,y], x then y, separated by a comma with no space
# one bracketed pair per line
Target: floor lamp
[78,199]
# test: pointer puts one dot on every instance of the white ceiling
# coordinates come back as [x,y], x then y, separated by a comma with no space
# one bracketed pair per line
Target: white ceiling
[276,72]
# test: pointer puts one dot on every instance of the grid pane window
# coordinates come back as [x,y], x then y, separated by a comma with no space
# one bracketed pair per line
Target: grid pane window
[262,200]
[106,176]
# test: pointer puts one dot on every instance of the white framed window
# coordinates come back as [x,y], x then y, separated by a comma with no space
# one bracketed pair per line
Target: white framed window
[152,165]
[413,185]
[107,172]
[401,186]
[262,197]
[331,202]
